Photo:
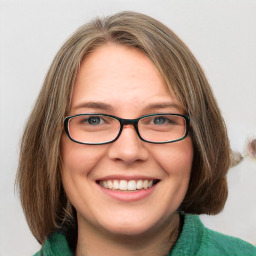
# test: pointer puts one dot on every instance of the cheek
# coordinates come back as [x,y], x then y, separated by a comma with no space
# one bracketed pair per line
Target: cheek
[175,158]
[78,158]
[78,163]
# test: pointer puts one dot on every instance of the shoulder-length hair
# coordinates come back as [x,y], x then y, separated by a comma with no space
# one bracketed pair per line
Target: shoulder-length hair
[43,198]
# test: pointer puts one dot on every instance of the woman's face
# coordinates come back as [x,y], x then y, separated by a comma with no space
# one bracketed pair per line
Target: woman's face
[122,81]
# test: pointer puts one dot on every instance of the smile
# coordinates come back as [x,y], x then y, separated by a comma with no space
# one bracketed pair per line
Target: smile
[127,185]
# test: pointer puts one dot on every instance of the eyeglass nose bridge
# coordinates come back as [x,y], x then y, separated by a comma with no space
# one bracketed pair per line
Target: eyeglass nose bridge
[133,122]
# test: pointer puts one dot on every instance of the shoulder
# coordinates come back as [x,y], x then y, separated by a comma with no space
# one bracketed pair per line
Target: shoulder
[220,244]
[197,240]
[56,245]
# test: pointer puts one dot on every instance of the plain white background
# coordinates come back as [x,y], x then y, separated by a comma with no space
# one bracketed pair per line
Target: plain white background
[221,34]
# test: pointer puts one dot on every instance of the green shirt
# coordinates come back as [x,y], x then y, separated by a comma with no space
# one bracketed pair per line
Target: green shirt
[194,240]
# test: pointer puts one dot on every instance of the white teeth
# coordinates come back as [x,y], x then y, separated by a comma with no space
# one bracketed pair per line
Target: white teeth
[115,184]
[145,184]
[139,184]
[131,185]
[125,185]
[110,185]
[105,184]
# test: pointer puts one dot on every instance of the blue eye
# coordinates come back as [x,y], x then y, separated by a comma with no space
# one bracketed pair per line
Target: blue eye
[94,120]
[159,120]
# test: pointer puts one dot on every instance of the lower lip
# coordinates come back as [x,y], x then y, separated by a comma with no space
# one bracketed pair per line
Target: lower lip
[128,196]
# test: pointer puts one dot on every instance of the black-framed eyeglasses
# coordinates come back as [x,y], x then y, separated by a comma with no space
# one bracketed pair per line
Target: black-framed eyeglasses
[98,129]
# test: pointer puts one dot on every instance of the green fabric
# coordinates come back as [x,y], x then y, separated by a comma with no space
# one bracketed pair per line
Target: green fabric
[197,240]
[194,240]
[56,245]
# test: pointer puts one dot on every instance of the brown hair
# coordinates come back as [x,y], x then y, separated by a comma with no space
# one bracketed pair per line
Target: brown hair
[43,199]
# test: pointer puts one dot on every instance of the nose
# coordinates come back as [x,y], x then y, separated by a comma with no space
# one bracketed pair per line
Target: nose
[128,147]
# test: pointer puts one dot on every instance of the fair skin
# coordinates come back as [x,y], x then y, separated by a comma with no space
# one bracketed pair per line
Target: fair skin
[124,82]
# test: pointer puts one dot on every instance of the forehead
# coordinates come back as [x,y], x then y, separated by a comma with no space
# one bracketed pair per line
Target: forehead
[119,75]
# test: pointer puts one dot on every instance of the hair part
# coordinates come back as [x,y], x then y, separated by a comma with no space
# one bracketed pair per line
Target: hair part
[43,198]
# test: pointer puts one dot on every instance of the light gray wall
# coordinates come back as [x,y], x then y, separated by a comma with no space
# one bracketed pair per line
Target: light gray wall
[221,34]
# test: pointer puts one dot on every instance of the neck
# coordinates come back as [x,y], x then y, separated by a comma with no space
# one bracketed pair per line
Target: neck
[92,242]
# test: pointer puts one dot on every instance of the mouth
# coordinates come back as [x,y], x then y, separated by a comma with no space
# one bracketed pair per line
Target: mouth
[127,185]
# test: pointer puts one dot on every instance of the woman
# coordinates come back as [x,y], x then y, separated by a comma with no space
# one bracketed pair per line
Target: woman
[124,143]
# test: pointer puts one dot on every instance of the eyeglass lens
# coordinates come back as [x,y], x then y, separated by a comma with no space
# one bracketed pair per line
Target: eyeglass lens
[96,129]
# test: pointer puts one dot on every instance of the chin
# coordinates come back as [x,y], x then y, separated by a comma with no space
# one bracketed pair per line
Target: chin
[139,224]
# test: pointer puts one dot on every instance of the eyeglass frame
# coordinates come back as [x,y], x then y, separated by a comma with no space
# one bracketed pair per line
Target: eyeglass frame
[123,122]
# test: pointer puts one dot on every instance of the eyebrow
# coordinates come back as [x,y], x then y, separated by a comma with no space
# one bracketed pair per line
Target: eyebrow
[98,105]
[164,105]
[107,107]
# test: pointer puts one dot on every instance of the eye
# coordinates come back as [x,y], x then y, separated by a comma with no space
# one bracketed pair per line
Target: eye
[94,120]
[159,120]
